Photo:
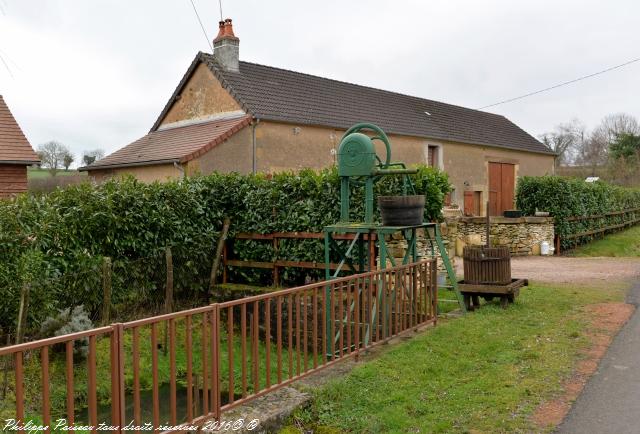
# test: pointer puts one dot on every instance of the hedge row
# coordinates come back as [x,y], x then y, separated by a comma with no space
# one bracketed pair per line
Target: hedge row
[565,198]
[56,243]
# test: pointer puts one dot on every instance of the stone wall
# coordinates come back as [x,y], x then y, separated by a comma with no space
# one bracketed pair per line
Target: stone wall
[523,235]
[397,247]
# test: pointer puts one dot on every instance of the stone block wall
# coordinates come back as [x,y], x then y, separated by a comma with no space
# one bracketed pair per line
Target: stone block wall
[523,235]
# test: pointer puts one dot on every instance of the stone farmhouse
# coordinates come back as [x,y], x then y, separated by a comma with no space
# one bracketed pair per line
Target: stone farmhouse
[231,115]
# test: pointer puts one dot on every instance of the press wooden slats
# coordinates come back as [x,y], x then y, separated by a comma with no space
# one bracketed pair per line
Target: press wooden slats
[487,265]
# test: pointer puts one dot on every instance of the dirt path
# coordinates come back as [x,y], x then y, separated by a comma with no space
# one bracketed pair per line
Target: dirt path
[588,271]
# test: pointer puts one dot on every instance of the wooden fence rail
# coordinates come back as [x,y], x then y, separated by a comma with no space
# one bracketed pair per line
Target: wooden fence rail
[600,230]
[219,356]
[278,264]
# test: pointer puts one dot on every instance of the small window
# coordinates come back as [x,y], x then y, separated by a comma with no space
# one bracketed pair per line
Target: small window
[433,156]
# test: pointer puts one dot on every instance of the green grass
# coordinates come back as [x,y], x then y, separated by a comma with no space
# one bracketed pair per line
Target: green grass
[625,243]
[39,173]
[485,372]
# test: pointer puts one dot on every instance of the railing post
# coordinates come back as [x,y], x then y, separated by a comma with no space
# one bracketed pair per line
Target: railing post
[215,342]
[117,378]
[433,266]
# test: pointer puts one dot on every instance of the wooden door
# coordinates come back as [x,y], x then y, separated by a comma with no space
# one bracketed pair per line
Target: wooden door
[501,187]
[469,203]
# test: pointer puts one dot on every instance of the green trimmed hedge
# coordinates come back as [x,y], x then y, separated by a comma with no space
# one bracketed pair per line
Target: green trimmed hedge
[56,242]
[564,198]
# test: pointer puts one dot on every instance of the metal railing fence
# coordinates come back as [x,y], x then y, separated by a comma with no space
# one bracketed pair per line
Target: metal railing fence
[191,366]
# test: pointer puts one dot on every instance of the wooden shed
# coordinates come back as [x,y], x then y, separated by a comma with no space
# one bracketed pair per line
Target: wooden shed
[16,154]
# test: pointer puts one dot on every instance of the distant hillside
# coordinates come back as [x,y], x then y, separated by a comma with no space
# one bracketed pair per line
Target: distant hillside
[41,180]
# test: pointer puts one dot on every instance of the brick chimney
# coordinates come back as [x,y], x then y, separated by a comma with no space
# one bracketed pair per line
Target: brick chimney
[226,47]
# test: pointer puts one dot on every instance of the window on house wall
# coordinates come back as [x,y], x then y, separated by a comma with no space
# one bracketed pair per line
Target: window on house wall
[433,157]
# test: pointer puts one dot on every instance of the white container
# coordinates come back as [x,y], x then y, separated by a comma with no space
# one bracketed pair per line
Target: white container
[545,248]
[442,278]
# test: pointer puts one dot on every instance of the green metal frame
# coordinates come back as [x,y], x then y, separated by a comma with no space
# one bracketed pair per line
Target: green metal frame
[410,233]
[357,166]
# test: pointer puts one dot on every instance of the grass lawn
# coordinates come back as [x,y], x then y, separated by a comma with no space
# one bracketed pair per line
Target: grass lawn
[486,372]
[625,243]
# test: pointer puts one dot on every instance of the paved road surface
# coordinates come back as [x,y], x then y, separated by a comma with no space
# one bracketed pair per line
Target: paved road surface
[610,401]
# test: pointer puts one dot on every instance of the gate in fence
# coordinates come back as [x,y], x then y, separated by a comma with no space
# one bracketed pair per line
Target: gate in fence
[188,367]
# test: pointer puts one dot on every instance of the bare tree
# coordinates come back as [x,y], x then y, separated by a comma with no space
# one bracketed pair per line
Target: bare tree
[565,139]
[616,124]
[594,150]
[52,155]
[68,160]
[89,157]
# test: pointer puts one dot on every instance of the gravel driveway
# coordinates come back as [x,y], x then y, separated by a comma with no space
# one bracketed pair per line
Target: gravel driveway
[560,269]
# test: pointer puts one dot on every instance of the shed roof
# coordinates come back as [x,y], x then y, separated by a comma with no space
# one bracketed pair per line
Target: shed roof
[14,146]
[177,144]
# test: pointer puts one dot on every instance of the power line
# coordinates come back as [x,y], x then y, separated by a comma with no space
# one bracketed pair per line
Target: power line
[201,25]
[6,65]
[561,84]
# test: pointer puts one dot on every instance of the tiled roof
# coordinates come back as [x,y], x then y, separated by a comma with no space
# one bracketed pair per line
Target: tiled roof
[282,95]
[177,144]
[14,146]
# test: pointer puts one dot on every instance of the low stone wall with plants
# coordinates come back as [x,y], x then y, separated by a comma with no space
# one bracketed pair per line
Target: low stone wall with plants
[523,235]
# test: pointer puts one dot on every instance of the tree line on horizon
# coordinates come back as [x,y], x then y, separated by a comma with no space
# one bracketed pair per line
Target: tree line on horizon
[610,150]
[56,156]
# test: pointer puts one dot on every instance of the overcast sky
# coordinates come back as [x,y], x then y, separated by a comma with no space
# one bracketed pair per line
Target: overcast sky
[95,74]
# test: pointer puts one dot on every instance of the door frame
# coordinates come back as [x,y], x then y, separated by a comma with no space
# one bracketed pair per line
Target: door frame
[495,191]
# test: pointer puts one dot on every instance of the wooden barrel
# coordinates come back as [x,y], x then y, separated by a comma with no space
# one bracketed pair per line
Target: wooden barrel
[487,265]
